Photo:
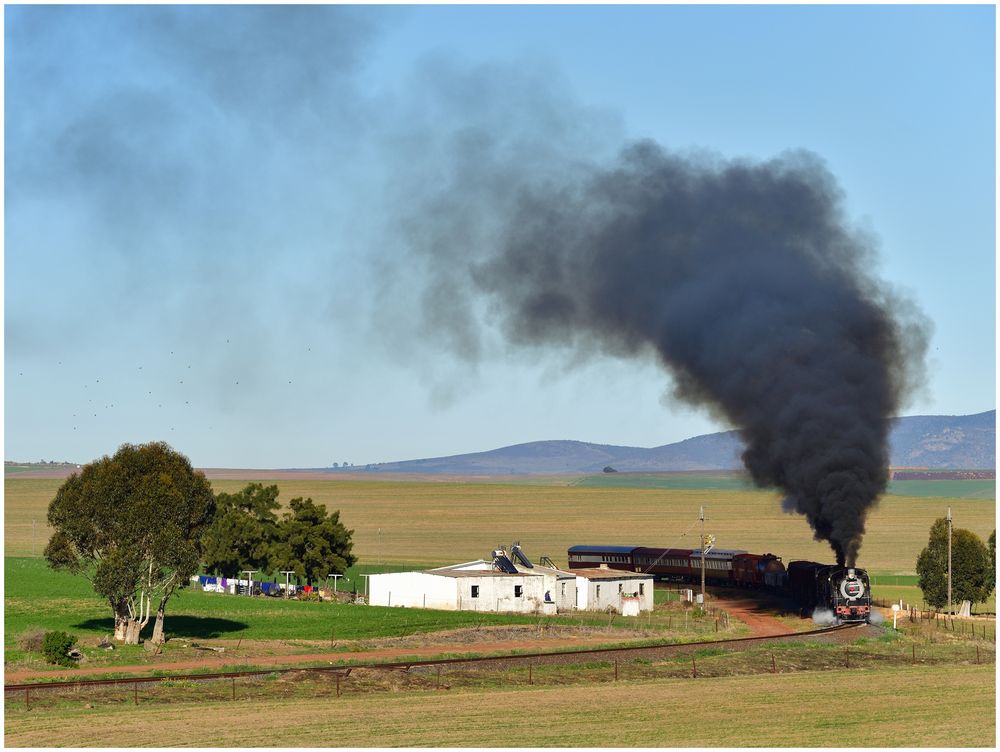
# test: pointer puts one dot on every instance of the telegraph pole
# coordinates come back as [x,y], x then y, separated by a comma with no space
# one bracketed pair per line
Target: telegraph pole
[701,516]
[949,560]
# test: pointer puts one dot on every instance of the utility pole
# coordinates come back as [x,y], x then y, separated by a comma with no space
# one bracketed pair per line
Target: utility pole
[949,561]
[701,516]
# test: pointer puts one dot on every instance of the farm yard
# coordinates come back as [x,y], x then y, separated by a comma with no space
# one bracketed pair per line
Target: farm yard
[402,524]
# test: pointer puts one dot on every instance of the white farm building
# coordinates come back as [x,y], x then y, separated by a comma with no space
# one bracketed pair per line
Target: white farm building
[602,588]
[476,586]
[503,585]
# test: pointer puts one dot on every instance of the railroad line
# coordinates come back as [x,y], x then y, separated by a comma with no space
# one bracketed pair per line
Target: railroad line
[345,670]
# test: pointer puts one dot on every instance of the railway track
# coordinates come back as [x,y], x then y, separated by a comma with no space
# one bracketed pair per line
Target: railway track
[562,656]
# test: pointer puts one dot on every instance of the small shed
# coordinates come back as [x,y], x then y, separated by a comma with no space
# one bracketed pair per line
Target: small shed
[601,588]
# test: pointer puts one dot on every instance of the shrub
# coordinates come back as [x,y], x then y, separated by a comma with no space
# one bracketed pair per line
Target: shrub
[56,645]
[31,639]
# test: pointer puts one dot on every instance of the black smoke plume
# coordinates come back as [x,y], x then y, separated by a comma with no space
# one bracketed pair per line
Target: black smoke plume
[745,279]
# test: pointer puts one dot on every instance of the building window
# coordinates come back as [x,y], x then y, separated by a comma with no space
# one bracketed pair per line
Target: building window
[475,591]
[598,591]
[563,590]
[619,587]
[642,589]
[518,589]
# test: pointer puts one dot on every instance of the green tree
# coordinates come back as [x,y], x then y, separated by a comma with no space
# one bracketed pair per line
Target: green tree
[132,524]
[312,542]
[992,574]
[970,567]
[243,532]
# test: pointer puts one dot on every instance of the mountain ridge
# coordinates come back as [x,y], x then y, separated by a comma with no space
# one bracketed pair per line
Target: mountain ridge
[931,441]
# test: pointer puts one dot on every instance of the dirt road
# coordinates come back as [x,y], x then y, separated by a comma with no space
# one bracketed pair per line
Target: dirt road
[754,612]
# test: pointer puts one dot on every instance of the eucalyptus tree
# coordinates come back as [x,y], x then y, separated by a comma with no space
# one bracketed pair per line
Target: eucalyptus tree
[244,531]
[312,542]
[970,565]
[132,523]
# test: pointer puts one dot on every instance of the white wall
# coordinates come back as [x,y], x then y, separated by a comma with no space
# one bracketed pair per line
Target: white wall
[426,590]
[412,590]
[496,593]
[597,595]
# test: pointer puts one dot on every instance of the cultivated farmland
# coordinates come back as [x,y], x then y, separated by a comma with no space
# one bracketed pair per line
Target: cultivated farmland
[947,706]
[420,523]
[429,522]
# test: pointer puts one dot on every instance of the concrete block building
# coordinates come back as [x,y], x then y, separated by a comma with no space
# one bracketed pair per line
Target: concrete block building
[477,586]
[601,588]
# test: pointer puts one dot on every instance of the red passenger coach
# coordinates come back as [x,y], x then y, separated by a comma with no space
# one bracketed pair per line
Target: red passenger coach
[663,563]
[758,571]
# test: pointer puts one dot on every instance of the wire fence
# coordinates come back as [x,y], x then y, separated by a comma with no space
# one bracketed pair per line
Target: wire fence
[700,662]
[983,627]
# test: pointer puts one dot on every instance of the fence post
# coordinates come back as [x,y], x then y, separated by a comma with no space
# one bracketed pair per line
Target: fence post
[234,687]
[438,678]
[913,659]
[847,657]
[774,668]
[616,669]
[694,668]
[135,692]
[530,681]
[27,698]
[338,685]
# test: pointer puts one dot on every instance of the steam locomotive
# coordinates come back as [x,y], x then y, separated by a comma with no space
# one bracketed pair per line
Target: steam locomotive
[843,591]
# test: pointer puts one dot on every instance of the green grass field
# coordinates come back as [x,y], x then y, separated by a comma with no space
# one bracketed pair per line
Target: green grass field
[35,595]
[734,481]
[428,522]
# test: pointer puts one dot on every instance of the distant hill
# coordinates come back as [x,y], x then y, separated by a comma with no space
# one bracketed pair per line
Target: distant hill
[931,441]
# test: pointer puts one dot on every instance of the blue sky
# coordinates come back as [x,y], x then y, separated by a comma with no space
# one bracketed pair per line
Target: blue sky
[197,207]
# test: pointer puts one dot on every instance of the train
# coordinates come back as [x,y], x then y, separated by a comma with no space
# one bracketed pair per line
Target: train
[843,591]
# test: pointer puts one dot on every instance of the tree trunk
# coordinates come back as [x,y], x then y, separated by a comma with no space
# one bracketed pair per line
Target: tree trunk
[121,624]
[157,638]
[127,627]
[132,629]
